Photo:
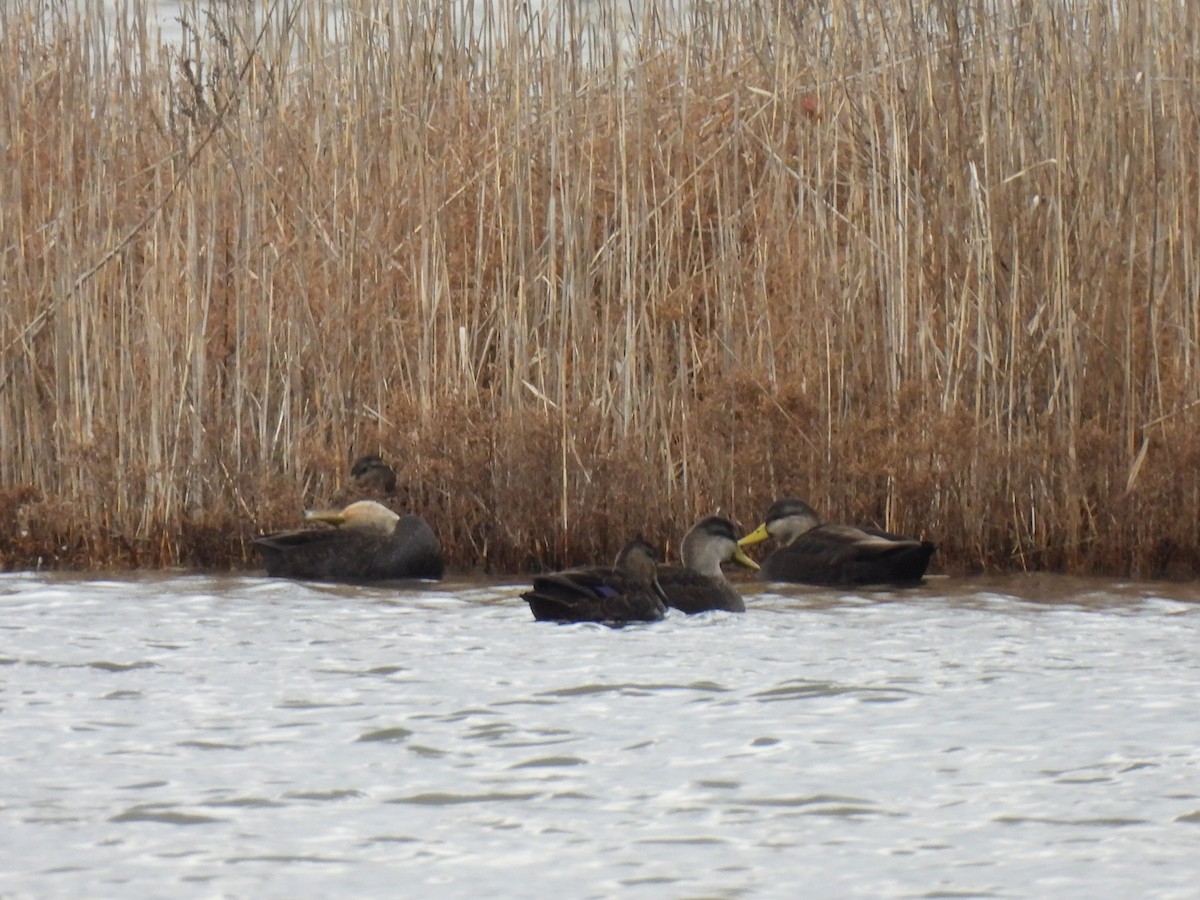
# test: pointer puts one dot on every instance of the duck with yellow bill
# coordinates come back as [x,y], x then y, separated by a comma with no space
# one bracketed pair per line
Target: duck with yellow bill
[365,541]
[809,551]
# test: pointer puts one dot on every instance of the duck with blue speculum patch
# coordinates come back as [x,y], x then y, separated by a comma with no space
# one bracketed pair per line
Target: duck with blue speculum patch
[627,591]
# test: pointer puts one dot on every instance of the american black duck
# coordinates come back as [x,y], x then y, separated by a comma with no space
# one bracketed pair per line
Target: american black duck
[370,479]
[371,475]
[615,595]
[699,584]
[810,552]
[368,542]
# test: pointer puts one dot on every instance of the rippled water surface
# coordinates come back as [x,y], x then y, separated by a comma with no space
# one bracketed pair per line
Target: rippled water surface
[243,737]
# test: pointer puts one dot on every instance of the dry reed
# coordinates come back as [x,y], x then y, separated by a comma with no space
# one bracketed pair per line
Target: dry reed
[931,267]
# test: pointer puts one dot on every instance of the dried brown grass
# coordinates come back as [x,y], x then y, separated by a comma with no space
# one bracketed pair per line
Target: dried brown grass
[938,274]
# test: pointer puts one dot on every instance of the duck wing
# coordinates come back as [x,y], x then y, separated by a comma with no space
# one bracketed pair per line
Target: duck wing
[845,555]
[594,594]
[412,550]
[691,592]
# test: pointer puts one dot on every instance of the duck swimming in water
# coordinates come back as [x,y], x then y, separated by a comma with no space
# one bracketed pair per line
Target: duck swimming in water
[699,584]
[614,595]
[368,542]
[810,552]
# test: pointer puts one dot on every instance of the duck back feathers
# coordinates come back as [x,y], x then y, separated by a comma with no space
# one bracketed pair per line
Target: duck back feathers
[811,552]
[614,595]
[368,543]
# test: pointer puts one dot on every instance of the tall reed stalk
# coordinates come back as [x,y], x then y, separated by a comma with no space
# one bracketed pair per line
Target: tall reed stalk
[586,270]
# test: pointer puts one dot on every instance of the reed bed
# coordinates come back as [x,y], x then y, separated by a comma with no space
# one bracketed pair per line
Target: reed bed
[593,270]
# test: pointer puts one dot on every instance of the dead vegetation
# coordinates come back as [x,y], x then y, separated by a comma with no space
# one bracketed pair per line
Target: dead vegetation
[932,270]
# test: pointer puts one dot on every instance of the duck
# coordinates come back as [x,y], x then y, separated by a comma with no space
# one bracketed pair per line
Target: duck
[700,585]
[370,479]
[627,591]
[368,542]
[371,475]
[812,552]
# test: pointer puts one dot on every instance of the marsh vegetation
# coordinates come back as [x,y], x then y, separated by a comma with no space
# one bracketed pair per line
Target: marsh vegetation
[931,267]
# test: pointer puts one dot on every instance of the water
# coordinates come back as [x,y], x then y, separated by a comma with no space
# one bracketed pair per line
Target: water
[239,736]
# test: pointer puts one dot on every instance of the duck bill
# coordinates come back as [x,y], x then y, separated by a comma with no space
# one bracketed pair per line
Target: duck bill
[754,537]
[328,516]
[743,560]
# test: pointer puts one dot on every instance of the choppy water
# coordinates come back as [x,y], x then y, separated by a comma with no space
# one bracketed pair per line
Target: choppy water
[243,737]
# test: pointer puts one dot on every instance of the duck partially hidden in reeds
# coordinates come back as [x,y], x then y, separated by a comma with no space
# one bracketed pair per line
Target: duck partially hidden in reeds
[615,595]
[811,552]
[370,479]
[371,474]
[368,542]
[699,585]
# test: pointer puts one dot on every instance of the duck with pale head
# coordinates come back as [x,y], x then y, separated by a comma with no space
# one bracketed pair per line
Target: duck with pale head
[809,551]
[366,541]
[700,585]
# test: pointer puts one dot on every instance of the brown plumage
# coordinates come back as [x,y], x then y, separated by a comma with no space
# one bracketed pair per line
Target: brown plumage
[370,479]
[614,595]
[368,542]
[371,475]
[699,585]
[810,552]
